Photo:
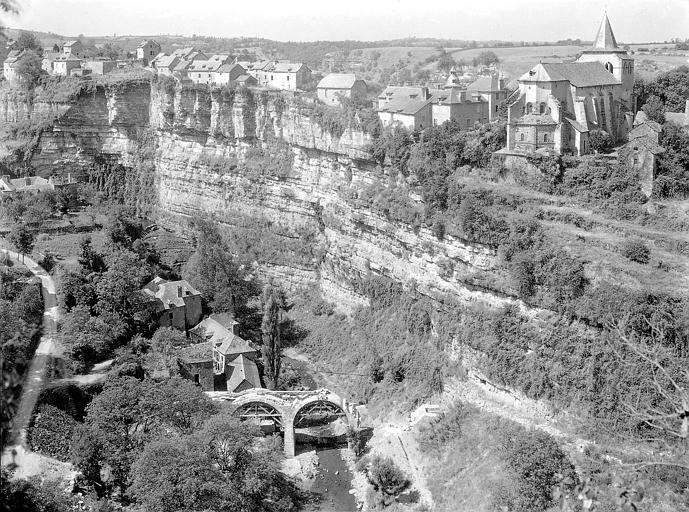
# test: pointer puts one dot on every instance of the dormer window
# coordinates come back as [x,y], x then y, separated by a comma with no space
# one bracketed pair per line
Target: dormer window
[608,66]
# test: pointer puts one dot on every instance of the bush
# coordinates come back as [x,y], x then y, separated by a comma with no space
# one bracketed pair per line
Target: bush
[636,250]
[434,436]
[387,479]
[538,465]
[51,432]
[600,141]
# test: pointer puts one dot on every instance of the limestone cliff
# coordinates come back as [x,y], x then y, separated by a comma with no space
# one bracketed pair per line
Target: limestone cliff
[272,177]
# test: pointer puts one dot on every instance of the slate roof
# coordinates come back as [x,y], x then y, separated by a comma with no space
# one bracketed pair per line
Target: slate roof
[605,39]
[199,353]
[227,68]
[577,125]
[70,43]
[244,370]
[245,78]
[488,83]
[167,292]
[167,61]
[579,74]
[405,106]
[204,65]
[287,67]
[338,81]
[396,91]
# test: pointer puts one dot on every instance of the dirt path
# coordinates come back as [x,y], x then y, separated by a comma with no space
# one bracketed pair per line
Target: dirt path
[27,462]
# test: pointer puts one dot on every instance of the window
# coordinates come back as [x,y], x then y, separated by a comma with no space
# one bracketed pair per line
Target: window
[271,77]
[521,137]
[288,78]
[170,315]
[541,108]
[528,108]
[468,122]
[545,137]
[609,67]
[197,378]
[636,160]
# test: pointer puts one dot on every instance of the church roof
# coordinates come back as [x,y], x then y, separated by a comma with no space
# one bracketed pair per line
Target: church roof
[579,74]
[605,39]
[488,83]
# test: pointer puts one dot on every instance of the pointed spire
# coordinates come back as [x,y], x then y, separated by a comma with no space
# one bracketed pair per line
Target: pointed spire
[605,39]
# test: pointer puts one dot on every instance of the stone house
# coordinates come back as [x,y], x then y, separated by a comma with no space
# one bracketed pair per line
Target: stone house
[288,76]
[246,81]
[9,66]
[642,152]
[147,51]
[220,360]
[228,73]
[64,64]
[335,86]
[73,49]
[203,71]
[491,89]
[417,108]
[558,104]
[35,184]
[173,303]
[166,64]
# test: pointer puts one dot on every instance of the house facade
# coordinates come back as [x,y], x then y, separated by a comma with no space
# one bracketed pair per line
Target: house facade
[559,104]
[288,76]
[64,64]
[99,67]
[73,49]
[9,66]
[340,85]
[228,73]
[147,50]
[642,152]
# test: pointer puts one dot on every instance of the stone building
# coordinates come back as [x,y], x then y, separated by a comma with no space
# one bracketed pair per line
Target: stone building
[221,360]
[642,152]
[228,73]
[559,104]
[679,118]
[73,49]
[491,89]
[335,86]
[9,66]
[174,303]
[99,67]
[289,76]
[65,64]
[35,184]
[417,108]
[147,51]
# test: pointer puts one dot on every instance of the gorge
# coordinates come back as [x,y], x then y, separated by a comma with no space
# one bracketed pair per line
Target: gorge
[256,158]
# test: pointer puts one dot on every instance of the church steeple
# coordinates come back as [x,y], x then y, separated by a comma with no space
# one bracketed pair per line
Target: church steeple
[605,39]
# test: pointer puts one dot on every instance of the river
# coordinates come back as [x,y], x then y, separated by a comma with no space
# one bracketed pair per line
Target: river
[332,484]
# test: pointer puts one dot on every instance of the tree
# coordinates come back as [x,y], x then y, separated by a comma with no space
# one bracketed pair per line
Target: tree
[181,404]
[218,274]
[165,341]
[22,238]
[486,58]
[89,259]
[387,479]
[600,141]
[29,68]
[654,109]
[446,62]
[224,466]
[125,274]
[28,41]
[273,305]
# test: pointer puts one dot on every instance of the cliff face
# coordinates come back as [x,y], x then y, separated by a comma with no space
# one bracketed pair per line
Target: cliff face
[270,176]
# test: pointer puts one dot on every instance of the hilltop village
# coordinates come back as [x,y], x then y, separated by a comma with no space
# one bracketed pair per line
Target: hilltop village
[233,279]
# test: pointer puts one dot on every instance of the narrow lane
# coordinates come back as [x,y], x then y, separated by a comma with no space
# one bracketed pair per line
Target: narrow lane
[36,377]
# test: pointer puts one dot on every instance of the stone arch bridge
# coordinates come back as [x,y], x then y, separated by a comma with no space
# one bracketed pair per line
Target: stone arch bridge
[288,410]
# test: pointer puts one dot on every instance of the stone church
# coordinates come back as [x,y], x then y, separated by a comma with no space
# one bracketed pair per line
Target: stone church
[558,105]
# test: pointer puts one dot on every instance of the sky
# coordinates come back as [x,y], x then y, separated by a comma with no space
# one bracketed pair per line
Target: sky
[309,20]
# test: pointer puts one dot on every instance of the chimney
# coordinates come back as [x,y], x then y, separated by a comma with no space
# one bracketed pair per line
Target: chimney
[424,93]
[235,328]
[179,290]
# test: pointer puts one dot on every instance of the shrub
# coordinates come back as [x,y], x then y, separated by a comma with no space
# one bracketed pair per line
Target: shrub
[537,465]
[440,431]
[636,250]
[387,479]
[600,141]
[51,432]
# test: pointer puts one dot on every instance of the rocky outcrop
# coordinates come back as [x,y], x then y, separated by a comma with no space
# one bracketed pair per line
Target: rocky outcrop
[257,163]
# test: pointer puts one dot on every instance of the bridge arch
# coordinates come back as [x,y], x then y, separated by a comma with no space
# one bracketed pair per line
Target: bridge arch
[287,409]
